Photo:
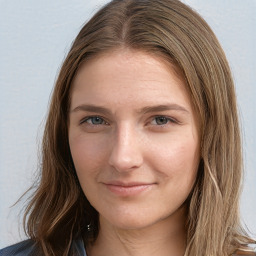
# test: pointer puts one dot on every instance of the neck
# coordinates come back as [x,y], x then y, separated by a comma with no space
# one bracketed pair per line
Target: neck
[166,238]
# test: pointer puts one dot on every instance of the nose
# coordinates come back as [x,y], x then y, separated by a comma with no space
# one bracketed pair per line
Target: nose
[126,151]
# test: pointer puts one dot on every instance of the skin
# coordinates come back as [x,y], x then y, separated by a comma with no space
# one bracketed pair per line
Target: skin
[134,141]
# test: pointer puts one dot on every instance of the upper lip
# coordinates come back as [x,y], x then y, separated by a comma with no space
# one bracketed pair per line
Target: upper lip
[127,184]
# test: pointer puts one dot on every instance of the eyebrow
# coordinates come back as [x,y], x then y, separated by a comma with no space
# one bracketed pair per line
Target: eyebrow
[92,108]
[166,107]
[145,110]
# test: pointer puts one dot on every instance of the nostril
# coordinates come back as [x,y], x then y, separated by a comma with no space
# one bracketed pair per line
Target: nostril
[125,163]
[125,160]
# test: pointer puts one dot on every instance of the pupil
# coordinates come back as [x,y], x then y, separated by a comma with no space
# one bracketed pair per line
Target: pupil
[161,120]
[96,120]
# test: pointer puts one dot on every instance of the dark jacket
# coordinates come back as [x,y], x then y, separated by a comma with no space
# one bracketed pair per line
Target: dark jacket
[29,248]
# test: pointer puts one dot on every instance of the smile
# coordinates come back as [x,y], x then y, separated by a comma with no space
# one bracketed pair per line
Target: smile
[130,189]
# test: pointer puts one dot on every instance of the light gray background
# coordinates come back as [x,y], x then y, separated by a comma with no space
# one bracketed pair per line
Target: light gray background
[34,38]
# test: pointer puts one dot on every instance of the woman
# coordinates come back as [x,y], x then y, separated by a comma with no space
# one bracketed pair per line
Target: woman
[141,151]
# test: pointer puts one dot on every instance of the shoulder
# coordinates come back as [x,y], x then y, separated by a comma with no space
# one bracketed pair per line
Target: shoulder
[24,248]
[30,248]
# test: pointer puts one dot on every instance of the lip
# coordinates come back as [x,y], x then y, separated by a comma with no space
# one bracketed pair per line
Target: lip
[128,189]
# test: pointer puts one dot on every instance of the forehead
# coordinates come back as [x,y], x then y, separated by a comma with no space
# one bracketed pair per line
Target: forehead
[129,70]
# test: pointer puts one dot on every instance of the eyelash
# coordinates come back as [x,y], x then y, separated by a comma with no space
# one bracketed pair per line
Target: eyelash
[167,119]
[154,118]
[85,120]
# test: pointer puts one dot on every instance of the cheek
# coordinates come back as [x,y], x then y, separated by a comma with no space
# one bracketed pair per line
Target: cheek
[174,155]
[87,154]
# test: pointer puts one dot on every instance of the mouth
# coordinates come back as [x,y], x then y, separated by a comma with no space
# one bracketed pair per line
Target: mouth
[128,189]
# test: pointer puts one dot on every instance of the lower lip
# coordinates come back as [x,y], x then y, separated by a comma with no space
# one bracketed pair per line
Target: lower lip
[128,190]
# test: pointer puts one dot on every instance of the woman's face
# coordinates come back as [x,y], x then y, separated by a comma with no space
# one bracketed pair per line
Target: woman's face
[133,138]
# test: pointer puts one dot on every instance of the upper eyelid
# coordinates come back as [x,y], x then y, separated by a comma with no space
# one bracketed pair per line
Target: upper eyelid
[172,119]
[83,120]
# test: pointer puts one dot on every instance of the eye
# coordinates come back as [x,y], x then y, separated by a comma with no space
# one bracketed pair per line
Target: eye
[94,120]
[162,120]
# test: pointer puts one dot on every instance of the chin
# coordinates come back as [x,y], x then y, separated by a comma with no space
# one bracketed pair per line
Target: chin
[135,221]
[127,220]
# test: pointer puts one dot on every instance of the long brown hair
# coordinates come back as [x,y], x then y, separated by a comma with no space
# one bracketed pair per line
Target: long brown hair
[59,211]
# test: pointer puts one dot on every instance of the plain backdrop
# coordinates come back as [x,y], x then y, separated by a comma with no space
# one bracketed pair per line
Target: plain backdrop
[34,38]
